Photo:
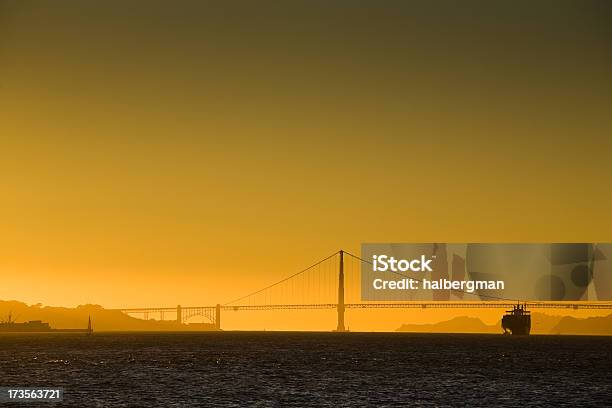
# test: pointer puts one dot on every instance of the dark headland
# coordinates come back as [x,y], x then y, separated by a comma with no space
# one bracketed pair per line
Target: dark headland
[63,318]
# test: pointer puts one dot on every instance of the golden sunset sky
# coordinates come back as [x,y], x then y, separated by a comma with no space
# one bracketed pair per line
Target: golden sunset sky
[157,153]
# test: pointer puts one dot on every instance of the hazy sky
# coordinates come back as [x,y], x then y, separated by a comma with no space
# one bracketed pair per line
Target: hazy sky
[155,153]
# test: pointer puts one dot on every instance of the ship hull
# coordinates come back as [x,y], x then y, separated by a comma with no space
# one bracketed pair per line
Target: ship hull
[517,325]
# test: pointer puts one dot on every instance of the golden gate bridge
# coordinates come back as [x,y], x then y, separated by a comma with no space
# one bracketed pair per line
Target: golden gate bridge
[333,283]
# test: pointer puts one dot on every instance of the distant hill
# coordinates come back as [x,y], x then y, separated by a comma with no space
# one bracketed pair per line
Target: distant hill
[540,324]
[102,319]
[593,325]
[462,324]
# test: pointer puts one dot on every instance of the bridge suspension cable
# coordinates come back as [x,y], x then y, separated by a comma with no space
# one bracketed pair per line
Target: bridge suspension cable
[290,277]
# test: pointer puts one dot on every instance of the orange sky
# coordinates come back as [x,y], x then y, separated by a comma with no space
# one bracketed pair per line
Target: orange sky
[191,154]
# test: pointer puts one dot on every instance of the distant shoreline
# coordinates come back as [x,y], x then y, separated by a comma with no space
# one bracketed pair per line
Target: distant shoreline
[306,332]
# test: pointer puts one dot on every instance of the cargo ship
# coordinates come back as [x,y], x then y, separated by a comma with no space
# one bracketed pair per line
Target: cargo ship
[36,326]
[517,321]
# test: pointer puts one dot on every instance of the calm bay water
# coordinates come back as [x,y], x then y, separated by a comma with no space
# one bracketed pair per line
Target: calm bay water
[301,369]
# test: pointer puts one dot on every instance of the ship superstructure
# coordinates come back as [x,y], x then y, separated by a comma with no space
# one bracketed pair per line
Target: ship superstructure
[11,325]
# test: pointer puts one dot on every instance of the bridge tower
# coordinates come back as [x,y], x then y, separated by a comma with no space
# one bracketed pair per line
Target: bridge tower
[218,317]
[341,294]
[179,314]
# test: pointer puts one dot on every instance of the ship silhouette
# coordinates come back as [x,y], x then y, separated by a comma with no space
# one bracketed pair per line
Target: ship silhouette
[35,326]
[517,321]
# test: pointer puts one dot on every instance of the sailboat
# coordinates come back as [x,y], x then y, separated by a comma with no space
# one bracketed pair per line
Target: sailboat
[89,328]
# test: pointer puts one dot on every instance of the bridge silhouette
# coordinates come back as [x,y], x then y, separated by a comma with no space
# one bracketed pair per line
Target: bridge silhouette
[333,283]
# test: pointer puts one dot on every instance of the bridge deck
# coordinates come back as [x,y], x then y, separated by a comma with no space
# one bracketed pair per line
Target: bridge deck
[387,305]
